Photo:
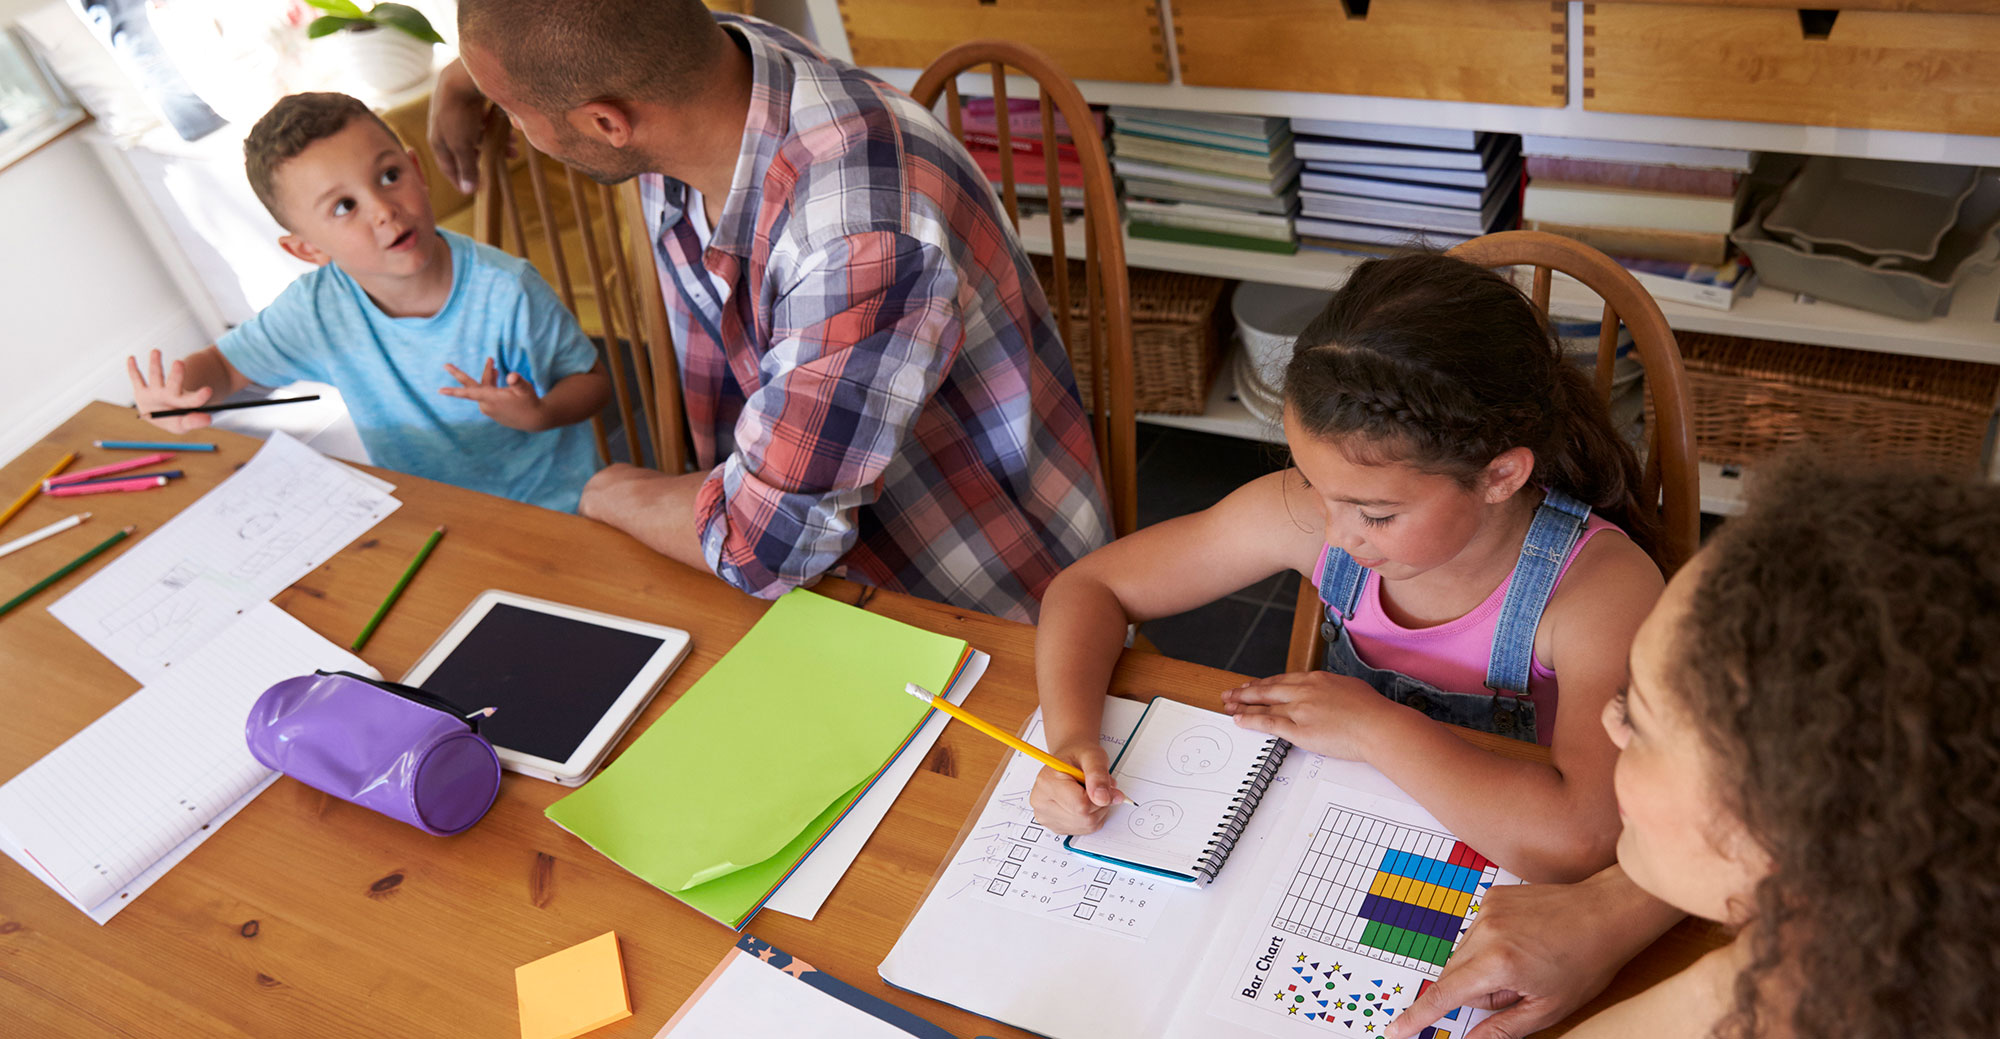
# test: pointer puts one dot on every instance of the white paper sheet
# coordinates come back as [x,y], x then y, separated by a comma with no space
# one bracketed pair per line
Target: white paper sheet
[283,514]
[748,998]
[102,815]
[808,887]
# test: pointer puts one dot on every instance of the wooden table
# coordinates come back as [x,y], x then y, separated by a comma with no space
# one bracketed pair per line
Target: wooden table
[307,916]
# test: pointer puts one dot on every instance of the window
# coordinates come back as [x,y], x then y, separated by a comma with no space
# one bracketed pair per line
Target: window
[33,110]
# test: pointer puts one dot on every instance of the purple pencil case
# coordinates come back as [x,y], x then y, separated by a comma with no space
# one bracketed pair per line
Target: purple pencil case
[395,749]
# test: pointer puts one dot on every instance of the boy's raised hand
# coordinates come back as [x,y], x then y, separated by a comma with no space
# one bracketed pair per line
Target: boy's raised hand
[512,403]
[165,390]
[1066,806]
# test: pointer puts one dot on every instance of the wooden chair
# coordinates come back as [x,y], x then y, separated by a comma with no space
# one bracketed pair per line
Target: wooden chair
[1102,349]
[1671,478]
[620,303]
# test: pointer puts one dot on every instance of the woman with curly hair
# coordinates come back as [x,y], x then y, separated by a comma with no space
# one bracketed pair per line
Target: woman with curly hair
[1810,754]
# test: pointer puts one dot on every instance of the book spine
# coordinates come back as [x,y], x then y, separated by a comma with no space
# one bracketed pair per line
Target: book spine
[1641,176]
[1245,802]
[1021,145]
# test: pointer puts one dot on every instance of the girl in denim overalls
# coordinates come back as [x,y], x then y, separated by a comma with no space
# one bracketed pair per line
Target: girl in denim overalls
[1469,517]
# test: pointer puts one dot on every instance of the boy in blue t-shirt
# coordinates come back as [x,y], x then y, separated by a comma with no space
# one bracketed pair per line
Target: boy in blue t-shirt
[395,306]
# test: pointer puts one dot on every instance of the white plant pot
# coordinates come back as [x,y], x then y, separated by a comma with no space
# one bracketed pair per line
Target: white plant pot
[382,60]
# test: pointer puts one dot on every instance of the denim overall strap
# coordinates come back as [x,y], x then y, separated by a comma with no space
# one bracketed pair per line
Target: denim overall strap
[1340,585]
[1558,522]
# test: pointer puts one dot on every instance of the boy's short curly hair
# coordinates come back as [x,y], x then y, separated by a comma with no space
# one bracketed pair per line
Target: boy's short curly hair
[292,124]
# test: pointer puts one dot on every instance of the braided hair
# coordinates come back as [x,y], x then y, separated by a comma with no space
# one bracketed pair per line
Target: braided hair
[1441,364]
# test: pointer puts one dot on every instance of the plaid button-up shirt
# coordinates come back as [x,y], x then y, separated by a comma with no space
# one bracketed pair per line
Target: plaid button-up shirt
[871,373]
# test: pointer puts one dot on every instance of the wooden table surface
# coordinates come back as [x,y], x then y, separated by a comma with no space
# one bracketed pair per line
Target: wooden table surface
[307,916]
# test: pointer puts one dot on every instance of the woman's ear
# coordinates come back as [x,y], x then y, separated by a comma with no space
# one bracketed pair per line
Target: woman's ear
[1506,474]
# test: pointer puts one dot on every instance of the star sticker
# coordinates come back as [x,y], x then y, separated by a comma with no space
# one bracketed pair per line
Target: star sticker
[1279,996]
[765,953]
[1398,988]
[797,968]
[1336,966]
[1474,911]
[1291,1010]
[1302,957]
[1369,1027]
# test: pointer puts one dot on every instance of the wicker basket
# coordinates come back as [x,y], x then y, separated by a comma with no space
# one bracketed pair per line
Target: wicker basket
[1177,324]
[1753,396]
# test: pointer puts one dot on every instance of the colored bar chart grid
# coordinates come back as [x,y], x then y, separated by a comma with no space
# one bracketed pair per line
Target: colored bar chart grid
[1397,893]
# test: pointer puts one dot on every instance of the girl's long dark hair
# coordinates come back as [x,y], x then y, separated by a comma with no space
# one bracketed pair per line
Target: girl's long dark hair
[1442,364]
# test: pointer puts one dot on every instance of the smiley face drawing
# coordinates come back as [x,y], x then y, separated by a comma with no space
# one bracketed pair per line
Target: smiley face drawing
[1199,751]
[1154,819]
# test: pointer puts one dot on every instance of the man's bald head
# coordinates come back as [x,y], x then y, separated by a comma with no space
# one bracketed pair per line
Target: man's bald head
[562,53]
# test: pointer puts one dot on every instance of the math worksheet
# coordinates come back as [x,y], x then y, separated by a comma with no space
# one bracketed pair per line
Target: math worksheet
[277,519]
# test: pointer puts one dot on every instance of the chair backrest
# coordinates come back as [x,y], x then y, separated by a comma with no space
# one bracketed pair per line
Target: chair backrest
[1671,481]
[1101,351]
[619,304]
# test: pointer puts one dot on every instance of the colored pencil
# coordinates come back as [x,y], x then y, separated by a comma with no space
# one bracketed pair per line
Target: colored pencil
[133,483]
[106,470]
[29,494]
[397,592]
[206,408]
[990,729]
[67,570]
[171,474]
[151,445]
[49,531]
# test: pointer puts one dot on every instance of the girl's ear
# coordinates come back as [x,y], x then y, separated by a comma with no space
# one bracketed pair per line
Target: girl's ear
[1507,473]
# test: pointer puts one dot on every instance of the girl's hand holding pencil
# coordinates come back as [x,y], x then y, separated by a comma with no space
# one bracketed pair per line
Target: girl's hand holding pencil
[1065,805]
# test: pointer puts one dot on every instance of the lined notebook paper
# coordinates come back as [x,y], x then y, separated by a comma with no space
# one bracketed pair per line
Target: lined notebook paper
[283,514]
[94,816]
[1191,778]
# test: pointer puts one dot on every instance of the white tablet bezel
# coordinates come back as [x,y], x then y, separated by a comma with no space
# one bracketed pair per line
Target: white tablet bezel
[616,720]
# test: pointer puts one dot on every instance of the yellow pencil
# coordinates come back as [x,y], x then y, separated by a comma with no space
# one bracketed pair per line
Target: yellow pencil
[986,727]
[35,488]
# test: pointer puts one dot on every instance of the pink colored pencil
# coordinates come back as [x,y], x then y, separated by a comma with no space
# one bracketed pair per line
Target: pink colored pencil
[106,470]
[136,483]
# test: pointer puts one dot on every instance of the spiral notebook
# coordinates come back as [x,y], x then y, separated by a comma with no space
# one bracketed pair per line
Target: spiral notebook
[1191,778]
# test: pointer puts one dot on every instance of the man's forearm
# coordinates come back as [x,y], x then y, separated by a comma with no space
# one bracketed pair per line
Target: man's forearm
[654,507]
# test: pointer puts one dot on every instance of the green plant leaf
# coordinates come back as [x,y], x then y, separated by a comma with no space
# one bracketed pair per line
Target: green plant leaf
[328,24]
[344,8]
[406,18]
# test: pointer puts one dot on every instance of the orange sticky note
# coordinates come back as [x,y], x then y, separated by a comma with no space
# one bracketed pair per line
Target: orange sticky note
[566,994]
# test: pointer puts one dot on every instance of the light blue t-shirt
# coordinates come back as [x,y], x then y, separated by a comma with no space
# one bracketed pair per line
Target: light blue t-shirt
[323,327]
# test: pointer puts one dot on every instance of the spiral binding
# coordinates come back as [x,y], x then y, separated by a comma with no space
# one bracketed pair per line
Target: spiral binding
[1217,850]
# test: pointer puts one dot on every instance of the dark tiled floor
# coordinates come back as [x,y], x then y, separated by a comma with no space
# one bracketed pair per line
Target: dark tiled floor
[1182,472]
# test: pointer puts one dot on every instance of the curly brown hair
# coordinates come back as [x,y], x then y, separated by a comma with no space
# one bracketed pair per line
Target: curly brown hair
[295,122]
[1443,364]
[1844,668]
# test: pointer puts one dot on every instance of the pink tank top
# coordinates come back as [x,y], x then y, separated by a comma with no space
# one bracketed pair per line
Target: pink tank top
[1453,655]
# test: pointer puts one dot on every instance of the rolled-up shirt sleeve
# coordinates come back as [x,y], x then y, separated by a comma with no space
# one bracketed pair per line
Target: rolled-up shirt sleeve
[861,338]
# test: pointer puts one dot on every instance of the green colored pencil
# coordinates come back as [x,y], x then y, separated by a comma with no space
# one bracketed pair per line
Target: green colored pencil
[67,570]
[396,592]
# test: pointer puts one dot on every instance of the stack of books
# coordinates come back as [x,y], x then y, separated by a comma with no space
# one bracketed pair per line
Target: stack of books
[1207,178]
[979,121]
[1663,211]
[1369,187]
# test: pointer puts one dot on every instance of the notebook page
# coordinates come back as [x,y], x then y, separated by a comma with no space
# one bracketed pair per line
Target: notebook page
[108,803]
[279,517]
[1182,774]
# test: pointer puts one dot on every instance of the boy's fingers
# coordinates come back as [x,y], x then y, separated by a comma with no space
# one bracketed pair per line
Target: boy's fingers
[153,366]
[463,379]
[487,375]
[1097,785]
[132,372]
[1262,693]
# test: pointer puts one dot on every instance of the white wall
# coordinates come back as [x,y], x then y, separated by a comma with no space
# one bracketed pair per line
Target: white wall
[80,288]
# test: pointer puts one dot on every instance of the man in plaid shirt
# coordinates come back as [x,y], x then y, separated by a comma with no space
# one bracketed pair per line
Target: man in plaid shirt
[872,378]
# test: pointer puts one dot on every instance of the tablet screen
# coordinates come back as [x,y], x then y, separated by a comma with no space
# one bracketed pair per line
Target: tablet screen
[552,678]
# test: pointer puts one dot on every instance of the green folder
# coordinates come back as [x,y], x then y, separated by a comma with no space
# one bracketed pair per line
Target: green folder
[737,781]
